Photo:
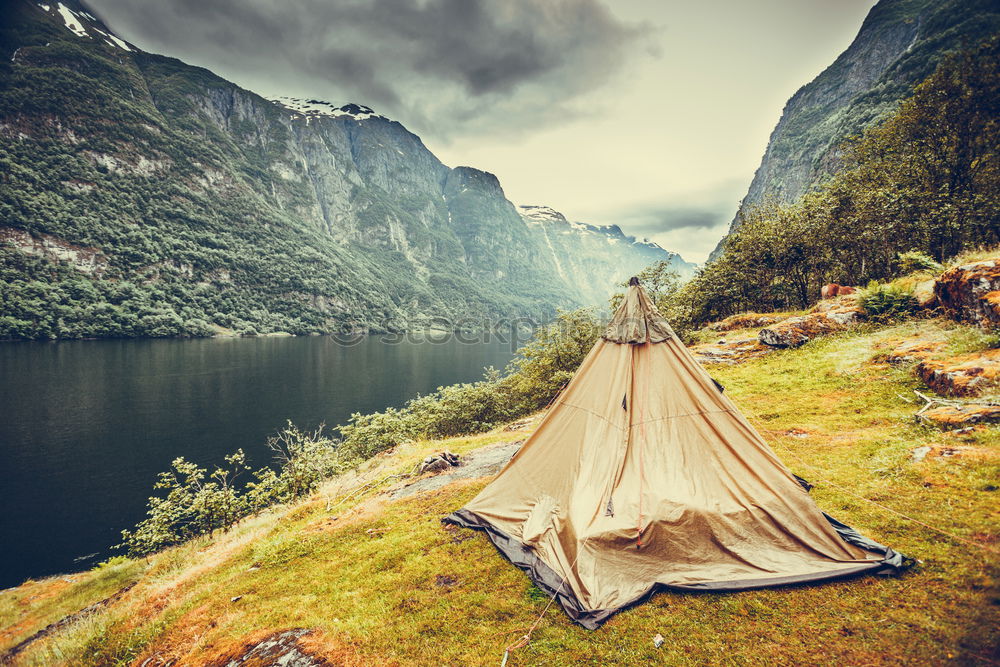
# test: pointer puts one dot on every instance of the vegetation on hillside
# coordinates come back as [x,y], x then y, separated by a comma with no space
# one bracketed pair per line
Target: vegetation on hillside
[167,175]
[926,180]
[381,581]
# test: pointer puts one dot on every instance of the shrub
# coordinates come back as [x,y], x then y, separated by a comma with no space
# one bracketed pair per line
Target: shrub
[887,302]
[198,503]
[913,261]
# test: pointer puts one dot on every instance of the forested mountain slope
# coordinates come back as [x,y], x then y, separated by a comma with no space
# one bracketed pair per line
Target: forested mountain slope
[143,196]
[899,44]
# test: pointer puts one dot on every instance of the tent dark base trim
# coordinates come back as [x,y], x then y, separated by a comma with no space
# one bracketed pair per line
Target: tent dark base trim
[551,583]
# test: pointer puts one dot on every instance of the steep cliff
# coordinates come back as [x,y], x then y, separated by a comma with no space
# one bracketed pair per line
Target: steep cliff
[899,44]
[596,258]
[196,205]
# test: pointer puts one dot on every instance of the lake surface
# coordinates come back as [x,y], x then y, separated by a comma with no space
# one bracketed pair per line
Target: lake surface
[85,426]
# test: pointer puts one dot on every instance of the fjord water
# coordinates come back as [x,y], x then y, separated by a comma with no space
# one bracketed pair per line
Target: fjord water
[85,426]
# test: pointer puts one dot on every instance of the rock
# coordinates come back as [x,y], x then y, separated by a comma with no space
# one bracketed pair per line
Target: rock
[953,415]
[923,292]
[483,462]
[971,293]
[833,289]
[746,321]
[920,453]
[826,317]
[909,351]
[438,462]
[964,375]
[658,640]
[282,648]
[732,352]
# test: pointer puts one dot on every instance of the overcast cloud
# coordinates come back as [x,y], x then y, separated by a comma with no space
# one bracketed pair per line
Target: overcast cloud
[450,67]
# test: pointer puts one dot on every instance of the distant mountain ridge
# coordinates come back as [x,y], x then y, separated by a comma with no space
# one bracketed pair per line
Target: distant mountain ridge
[596,258]
[898,45]
[207,207]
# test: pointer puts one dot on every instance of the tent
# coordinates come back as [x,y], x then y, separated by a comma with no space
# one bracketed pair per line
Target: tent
[643,476]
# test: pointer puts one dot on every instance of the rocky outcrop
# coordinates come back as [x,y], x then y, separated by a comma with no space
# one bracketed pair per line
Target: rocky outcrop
[747,321]
[321,217]
[971,293]
[956,416]
[965,375]
[899,44]
[828,316]
[730,352]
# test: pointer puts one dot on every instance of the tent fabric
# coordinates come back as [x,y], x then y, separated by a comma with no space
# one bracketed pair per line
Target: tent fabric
[643,475]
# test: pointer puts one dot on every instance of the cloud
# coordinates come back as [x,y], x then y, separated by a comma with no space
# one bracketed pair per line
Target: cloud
[462,66]
[690,223]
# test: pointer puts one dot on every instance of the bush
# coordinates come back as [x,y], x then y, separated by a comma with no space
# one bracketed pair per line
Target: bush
[913,261]
[887,302]
[197,503]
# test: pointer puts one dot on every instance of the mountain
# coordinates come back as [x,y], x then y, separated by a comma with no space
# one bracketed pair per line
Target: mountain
[142,196]
[596,259]
[899,44]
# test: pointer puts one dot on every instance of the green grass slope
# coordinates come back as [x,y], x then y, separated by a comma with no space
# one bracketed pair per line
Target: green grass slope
[383,582]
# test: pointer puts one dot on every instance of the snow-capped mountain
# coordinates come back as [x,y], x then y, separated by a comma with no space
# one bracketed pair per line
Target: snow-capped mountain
[595,258]
[78,20]
[223,209]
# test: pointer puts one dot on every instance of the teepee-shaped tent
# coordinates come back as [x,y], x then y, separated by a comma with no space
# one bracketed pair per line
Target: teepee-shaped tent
[643,475]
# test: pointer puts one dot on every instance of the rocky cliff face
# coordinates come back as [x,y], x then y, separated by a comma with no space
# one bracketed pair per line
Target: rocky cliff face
[597,259]
[212,207]
[899,44]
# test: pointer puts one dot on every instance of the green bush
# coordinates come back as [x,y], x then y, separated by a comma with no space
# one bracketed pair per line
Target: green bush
[887,302]
[913,261]
[198,503]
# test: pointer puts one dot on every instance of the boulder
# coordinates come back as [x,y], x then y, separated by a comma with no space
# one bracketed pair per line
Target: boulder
[971,293]
[438,462]
[965,375]
[729,352]
[950,416]
[827,316]
[909,351]
[828,291]
[746,321]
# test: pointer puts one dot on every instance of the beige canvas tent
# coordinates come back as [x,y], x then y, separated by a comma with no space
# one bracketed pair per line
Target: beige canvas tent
[644,475]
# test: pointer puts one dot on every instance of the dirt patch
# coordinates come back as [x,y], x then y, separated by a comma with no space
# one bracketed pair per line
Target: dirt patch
[903,351]
[479,463]
[746,321]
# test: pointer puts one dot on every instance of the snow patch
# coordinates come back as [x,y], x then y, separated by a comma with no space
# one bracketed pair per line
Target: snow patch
[44,7]
[316,108]
[72,21]
[114,40]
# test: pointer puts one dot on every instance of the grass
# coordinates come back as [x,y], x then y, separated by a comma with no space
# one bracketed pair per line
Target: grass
[382,582]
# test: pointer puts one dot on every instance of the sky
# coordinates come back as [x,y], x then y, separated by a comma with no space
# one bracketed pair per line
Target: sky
[649,114]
